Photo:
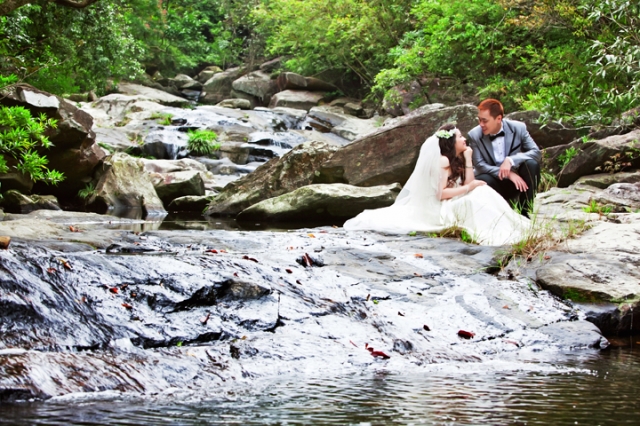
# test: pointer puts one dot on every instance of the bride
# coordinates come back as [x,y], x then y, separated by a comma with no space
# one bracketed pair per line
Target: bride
[442,192]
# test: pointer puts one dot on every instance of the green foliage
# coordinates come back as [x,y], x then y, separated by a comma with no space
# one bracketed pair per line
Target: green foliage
[595,207]
[20,136]
[566,156]
[201,142]
[164,117]
[349,36]
[88,191]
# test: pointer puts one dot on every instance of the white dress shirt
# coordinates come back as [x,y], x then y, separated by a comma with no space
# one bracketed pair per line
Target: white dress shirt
[498,148]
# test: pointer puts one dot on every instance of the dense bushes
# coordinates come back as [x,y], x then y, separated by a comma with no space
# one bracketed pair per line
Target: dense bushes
[574,60]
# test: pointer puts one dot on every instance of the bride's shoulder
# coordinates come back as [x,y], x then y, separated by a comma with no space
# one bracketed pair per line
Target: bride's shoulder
[444,162]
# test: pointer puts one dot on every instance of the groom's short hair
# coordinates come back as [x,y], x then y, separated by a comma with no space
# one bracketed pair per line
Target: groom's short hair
[494,107]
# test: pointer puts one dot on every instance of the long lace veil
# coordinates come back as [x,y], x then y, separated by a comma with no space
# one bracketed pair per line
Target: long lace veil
[417,207]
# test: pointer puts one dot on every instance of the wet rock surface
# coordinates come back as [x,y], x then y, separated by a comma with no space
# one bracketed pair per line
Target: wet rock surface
[99,309]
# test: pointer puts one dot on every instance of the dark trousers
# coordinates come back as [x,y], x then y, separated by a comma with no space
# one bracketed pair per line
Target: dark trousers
[529,171]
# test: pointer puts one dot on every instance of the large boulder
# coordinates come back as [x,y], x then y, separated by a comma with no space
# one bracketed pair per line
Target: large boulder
[190,203]
[321,204]
[151,94]
[218,87]
[169,166]
[298,99]
[74,152]
[550,133]
[622,196]
[122,184]
[207,73]
[400,99]
[15,202]
[611,154]
[170,186]
[278,176]
[389,154]
[293,81]
[258,84]
[344,125]
[184,82]
[607,274]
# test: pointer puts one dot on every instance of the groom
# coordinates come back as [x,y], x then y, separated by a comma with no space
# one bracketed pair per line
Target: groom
[505,156]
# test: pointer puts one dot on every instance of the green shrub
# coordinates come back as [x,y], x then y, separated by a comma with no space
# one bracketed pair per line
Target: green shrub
[21,135]
[566,156]
[201,142]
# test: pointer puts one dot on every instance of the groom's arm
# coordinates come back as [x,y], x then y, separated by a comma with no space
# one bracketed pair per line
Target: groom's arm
[528,149]
[479,162]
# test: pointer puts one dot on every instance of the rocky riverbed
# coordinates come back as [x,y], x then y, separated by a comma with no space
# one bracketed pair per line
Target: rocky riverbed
[87,308]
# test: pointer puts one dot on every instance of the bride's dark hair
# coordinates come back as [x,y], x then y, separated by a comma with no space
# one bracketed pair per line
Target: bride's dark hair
[448,149]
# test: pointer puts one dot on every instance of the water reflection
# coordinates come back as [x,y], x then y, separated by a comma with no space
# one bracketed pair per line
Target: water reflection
[575,388]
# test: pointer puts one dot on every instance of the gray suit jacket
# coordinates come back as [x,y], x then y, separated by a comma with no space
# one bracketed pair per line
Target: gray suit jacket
[517,142]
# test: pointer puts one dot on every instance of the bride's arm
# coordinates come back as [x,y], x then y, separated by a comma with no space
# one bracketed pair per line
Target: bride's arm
[468,166]
[447,193]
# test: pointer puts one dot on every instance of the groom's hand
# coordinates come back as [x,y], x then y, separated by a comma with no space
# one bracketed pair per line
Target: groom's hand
[505,169]
[520,184]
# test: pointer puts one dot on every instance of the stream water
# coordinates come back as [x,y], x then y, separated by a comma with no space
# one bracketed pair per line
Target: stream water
[581,387]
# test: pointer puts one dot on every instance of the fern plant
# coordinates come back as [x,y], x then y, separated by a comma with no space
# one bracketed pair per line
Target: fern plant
[20,137]
[202,142]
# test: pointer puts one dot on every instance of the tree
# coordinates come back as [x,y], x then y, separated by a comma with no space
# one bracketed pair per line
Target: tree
[8,6]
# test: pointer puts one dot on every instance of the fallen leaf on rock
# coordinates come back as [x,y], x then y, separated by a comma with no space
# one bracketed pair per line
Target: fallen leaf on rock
[426,327]
[127,306]
[366,346]
[211,251]
[350,341]
[289,271]
[513,342]
[250,258]
[205,318]
[506,307]
[123,286]
[380,354]
[400,313]
[298,282]
[311,235]
[417,274]
[73,228]
[419,255]
[323,231]
[223,251]
[52,270]
[368,296]
[66,264]
[134,295]
[235,274]
[466,334]
[334,226]
[547,257]
[113,290]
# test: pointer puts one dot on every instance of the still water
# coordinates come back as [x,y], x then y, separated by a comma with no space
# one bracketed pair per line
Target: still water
[580,387]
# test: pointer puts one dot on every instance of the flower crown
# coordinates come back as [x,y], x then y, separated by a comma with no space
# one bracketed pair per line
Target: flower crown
[446,134]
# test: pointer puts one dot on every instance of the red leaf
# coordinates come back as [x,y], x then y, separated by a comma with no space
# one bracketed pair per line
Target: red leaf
[73,228]
[204,319]
[113,290]
[323,232]
[289,271]
[466,334]
[426,327]
[307,260]
[223,251]
[249,258]
[52,270]
[380,354]
[235,274]
[419,255]
[211,251]
[350,341]
[128,306]
[547,257]
[506,307]
[66,264]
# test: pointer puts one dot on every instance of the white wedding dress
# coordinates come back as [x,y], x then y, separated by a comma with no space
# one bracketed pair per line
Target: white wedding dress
[483,213]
